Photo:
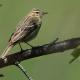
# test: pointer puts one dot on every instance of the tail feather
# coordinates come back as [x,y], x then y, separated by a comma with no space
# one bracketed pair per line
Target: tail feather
[6,51]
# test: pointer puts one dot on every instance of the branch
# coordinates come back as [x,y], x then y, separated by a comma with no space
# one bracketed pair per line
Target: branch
[53,47]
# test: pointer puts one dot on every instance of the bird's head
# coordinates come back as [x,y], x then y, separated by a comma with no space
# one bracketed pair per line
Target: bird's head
[37,13]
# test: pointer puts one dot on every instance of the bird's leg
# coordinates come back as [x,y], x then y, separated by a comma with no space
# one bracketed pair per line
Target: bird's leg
[23,70]
[20,47]
[29,44]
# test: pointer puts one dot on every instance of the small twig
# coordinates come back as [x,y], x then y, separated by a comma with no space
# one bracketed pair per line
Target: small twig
[23,70]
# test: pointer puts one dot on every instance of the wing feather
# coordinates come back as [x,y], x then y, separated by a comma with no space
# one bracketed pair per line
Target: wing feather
[21,33]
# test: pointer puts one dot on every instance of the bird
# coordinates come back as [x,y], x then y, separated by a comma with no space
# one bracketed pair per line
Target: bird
[26,30]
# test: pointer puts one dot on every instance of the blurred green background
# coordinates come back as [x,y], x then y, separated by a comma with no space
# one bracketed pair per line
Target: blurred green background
[63,21]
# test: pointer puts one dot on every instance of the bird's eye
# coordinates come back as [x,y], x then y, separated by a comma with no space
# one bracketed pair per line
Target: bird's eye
[37,12]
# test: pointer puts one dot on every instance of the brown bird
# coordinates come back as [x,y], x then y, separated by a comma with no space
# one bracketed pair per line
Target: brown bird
[26,30]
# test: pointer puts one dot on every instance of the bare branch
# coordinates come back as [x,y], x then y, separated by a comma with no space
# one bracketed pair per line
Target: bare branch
[53,47]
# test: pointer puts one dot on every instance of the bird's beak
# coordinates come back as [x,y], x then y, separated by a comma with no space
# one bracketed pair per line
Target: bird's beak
[45,13]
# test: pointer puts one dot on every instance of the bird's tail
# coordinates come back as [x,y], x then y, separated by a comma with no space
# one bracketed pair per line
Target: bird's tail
[6,51]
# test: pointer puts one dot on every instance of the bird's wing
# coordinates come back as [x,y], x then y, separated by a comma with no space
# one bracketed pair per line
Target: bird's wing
[20,33]
[24,21]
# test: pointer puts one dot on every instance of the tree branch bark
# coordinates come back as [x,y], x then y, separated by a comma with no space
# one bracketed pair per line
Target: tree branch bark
[53,47]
